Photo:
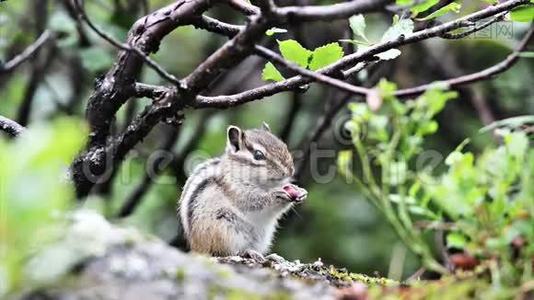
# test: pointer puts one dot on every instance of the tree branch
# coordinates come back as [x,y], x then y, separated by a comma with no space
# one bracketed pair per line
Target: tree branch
[344,86]
[29,52]
[11,127]
[118,86]
[329,12]
[296,81]
[151,63]
[228,55]
[485,74]
[476,27]
[244,7]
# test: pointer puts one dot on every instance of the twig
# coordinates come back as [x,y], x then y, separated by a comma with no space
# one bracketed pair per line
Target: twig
[27,53]
[244,7]
[325,122]
[38,72]
[329,12]
[232,52]
[216,26]
[39,64]
[347,87]
[11,127]
[151,63]
[149,91]
[455,36]
[485,74]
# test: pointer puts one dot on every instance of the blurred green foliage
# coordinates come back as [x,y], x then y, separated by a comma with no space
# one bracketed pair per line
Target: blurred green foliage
[335,223]
[35,191]
[485,204]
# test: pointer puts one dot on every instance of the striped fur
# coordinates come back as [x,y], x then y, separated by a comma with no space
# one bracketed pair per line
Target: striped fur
[187,202]
[232,203]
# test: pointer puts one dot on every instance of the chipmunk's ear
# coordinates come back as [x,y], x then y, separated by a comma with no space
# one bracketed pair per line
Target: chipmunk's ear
[265,127]
[235,138]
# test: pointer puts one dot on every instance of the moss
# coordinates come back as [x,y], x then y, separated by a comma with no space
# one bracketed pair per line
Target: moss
[180,275]
[345,276]
[219,292]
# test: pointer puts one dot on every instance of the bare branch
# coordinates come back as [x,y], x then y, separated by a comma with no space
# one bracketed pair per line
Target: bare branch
[228,55]
[216,26]
[149,91]
[347,61]
[151,63]
[485,74]
[118,86]
[476,27]
[244,7]
[329,12]
[27,53]
[11,127]
[347,87]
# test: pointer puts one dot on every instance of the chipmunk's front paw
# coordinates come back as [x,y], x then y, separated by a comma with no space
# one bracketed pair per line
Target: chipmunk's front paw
[253,254]
[294,193]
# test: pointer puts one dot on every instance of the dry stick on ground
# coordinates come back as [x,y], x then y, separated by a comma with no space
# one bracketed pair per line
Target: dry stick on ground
[11,127]
[29,52]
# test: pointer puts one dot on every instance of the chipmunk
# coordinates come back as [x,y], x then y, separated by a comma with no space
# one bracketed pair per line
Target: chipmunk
[230,205]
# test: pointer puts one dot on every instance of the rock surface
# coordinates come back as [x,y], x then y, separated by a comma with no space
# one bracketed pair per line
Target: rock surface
[97,260]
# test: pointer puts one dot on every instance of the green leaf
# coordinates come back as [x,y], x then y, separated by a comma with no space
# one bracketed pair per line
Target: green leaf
[389,54]
[275,30]
[271,73]
[523,14]
[396,198]
[357,24]
[404,2]
[344,162]
[422,7]
[402,27]
[456,240]
[436,99]
[397,172]
[294,52]
[325,55]
[451,7]
[516,143]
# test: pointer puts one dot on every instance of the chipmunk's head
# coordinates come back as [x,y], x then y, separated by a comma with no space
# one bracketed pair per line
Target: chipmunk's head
[259,157]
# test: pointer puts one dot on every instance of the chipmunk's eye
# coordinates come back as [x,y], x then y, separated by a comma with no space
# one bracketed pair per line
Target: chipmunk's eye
[258,155]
